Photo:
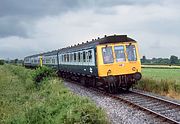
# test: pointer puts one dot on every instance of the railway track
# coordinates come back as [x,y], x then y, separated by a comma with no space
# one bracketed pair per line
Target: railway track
[165,110]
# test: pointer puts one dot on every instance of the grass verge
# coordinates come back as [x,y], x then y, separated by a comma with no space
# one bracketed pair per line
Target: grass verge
[21,102]
[168,88]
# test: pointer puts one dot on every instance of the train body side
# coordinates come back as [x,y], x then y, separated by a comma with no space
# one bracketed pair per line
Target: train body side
[79,62]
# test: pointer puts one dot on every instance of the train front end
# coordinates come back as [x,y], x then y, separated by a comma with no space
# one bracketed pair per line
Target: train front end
[118,64]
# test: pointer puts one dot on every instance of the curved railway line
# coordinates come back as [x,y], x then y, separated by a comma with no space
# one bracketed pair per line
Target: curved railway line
[165,110]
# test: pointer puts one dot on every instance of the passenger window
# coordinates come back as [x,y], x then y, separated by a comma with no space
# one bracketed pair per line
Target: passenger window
[79,58]
[107,55]
[119,52]
[72,57]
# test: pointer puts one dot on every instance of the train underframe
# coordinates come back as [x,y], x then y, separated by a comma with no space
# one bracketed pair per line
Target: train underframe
[111,84]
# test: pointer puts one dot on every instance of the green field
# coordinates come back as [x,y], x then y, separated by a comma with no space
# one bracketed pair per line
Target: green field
[21,102]
[165,74]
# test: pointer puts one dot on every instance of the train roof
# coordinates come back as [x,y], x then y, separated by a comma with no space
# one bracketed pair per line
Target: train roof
[93,43]
[54,52]
[90,44]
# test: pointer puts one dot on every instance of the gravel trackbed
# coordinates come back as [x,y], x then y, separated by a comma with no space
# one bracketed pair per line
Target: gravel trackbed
[118,112]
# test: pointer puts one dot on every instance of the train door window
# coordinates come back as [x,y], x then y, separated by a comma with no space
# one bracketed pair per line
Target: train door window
[79,58]
[84,56]
[74,57]
[131,52]
[44,61]
[119,53]
[49,59]
[90,55]
[87,57]
[67,57]
[107,55]
[62,58]
[52,60]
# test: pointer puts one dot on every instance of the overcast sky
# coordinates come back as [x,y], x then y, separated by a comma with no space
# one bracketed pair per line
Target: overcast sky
[33,26]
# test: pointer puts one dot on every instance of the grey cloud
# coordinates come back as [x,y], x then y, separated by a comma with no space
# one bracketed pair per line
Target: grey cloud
[13,13]
[11,27]
[34,8]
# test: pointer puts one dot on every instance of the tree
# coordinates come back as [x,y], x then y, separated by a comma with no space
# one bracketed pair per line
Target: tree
[143,60]
[1,62]
[16,61]
[173,59]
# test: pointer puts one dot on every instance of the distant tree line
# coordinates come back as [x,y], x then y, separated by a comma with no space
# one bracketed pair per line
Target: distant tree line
[173,60]
[14,61]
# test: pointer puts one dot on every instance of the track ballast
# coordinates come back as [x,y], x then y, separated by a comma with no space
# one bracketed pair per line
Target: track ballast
[165,110]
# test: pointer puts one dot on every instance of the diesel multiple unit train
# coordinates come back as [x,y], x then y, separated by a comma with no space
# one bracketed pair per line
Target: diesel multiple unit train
[111,62]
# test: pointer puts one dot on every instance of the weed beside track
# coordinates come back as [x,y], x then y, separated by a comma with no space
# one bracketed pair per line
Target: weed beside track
[161,81]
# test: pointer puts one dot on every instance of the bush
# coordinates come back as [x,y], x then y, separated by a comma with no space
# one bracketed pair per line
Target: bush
[42,73]
[1,62]
[38,115]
